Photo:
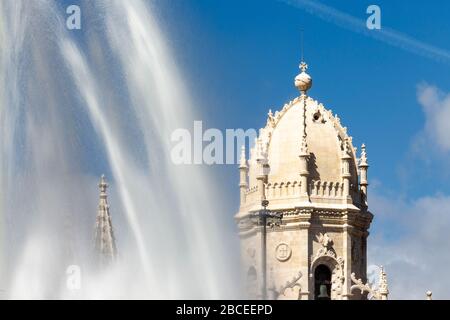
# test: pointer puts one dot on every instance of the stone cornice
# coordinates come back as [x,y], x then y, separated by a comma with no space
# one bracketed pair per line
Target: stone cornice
[354,221]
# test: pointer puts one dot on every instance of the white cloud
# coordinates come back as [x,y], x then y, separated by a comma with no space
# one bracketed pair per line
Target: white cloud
[411,237]
[436,106]
[417,259]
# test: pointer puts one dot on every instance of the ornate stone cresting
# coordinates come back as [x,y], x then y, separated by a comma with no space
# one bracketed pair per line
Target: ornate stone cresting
[375,293]
[105,244]
[270,119]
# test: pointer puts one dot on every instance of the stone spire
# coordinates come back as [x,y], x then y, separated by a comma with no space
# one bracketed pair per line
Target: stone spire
[383,287]
[105,244]
[363,159]
[263,168]
[303,82]
[243,171]
[363,168]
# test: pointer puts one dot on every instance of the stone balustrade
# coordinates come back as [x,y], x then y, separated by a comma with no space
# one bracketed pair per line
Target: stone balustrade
[326,189]
[317,190]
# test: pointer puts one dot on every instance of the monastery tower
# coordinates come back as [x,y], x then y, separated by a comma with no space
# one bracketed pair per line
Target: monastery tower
[304,176]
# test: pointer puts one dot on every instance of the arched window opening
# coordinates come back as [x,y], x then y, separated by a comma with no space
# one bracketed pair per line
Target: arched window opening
[322,283]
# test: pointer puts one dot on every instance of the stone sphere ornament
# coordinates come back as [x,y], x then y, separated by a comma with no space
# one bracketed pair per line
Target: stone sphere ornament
[303,81]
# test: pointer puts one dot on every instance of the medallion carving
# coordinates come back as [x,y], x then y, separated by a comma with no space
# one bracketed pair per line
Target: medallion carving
[283,252]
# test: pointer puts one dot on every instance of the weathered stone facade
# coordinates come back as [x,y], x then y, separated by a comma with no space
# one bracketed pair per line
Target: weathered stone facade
[304,164]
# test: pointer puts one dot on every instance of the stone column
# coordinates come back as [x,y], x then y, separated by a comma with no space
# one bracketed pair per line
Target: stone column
[304,157]
[347,256]
[263,169]
[304,174]
[261,177]
[363,273]
[304,258]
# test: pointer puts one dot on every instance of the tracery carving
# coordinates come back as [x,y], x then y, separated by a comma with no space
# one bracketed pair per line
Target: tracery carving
[379,292]
[327,246]
[327,255]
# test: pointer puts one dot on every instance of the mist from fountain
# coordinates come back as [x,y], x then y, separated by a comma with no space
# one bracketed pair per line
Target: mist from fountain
[104,99]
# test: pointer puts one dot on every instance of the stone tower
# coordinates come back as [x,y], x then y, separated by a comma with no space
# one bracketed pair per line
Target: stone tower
[304,166]
[105,243]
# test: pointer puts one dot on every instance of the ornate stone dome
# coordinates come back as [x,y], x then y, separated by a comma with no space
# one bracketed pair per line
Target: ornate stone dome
[325,137]
[304,126]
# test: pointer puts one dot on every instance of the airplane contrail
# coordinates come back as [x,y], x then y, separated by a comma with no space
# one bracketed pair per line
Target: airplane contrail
[386,35]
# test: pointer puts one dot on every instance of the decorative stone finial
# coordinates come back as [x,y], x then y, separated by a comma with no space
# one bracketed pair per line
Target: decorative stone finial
[363,159]
[243,160]
[346,149]
[303,81]
[270,119]
[383,288]
[103,186]
[429,295]
[303,66]
[262,160]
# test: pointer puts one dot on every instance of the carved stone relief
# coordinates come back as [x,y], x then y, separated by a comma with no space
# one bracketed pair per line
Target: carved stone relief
[278,293]
[283,252]
[326,255]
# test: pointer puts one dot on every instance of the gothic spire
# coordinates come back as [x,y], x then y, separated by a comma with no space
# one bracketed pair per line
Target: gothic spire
[383,286]
[105,244]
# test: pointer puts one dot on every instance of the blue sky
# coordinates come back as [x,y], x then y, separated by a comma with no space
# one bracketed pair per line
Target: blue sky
[240,58]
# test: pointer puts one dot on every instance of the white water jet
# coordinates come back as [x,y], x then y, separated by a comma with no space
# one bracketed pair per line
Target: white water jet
[75,104]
